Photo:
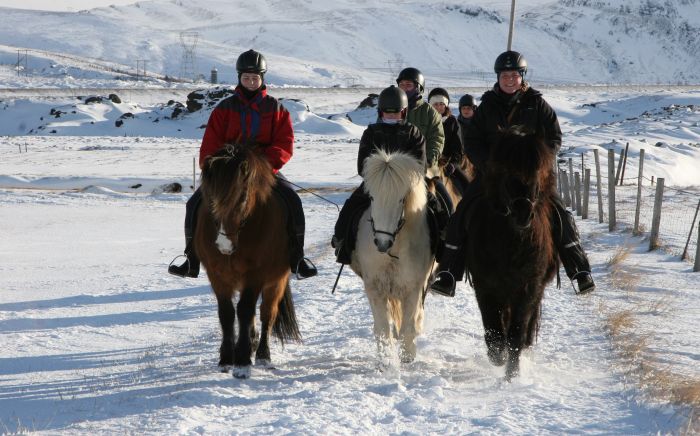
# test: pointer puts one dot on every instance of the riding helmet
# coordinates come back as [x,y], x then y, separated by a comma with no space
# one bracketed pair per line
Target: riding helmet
[510,61]
[392,100]
[467,100]
[440,95]
[251,61]
[414,75]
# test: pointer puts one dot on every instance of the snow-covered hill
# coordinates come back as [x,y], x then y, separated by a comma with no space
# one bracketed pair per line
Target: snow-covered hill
[348,42]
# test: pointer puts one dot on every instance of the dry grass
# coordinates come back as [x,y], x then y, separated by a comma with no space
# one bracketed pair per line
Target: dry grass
[619,322]
[660,384]
[632,345]
[618,257]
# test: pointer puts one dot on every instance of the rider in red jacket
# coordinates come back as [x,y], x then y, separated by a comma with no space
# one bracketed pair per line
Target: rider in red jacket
[251,116]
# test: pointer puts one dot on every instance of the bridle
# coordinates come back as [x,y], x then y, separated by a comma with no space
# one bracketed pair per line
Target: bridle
[242,203]
[512,203]
[399,226]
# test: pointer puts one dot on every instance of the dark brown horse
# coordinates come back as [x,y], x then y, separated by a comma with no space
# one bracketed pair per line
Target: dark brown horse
[241,238]
[510,254]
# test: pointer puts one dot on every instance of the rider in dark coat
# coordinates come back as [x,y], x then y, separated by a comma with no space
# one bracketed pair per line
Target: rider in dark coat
[391,133]
[251,116]
[453,153]
[511,102]
[467,107]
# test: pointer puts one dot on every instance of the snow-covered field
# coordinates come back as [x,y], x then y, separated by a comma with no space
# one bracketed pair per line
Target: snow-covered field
[98,339]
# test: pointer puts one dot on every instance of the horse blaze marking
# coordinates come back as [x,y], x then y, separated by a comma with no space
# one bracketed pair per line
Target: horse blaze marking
[223,243]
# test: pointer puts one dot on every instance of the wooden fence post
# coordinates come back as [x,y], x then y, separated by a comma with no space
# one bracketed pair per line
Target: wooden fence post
[656,218]
[624,164]
[696,267]
[586,192]
[577,190]
[635,230]
[619,165]
[687,242]
[565,188]
[556,174]
[611,190]
[571,183]
[599,186]
[194,173]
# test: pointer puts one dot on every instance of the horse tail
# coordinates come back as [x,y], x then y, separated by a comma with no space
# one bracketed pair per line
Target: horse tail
[286,326]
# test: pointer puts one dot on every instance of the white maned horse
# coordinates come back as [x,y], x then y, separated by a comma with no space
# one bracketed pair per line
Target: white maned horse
[392,254]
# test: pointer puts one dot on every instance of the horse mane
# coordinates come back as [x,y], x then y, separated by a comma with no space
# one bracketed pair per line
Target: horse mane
[393,175]
[526,156]
[522,154]
[233,172]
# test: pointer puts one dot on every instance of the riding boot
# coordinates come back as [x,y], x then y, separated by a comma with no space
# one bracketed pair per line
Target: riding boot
[190,268]
[571,254]
[343,239]
[301,266]
[446,276]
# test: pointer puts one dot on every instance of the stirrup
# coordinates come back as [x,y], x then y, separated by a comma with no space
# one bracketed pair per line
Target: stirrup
[188,273]
[313,271]
[444,275]
[588,285]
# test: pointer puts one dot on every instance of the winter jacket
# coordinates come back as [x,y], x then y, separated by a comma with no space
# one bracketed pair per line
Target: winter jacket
[500,111]
[260,119]
[429,122]
[391,138]
[453,150]
[463,126]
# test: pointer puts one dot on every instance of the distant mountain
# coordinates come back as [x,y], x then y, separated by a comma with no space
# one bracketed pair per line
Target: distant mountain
[363,42]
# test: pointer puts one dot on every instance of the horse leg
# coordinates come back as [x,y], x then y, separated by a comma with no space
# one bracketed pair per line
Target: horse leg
[271,296]
[521,313]
[411,324]
[494,335]
[382,328]
[227,316]
[246,322]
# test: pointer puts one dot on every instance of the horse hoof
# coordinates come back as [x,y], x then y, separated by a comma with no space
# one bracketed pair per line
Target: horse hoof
[241,372]
[264,363]
[497,357]
[224,368]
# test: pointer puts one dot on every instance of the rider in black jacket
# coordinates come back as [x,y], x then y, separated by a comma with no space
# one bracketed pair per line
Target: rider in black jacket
[390,133]
[453,153]
[511,102]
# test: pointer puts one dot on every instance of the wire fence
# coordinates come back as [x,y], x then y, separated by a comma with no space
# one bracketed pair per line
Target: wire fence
[639,203]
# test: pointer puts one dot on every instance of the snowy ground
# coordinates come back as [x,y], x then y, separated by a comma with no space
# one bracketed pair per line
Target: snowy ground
[99,339]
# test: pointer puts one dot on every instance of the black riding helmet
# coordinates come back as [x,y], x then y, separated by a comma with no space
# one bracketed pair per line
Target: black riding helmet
[414,75]
[510,61]
[467,100]
[251,61]
[392,100]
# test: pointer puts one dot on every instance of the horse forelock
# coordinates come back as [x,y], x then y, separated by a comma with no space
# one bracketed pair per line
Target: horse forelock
[394,175]
[236,177]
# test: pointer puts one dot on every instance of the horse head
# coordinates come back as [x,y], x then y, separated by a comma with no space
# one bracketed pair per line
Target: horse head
[519,175]
[233,181]
[396,186]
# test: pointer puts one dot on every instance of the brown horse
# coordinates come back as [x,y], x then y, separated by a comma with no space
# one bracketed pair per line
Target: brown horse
[242,240]
[510,253]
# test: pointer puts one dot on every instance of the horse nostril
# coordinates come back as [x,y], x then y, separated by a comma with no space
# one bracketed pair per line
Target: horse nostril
[376,242]
[389,244]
